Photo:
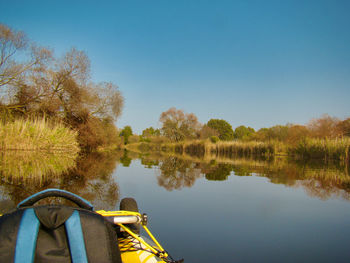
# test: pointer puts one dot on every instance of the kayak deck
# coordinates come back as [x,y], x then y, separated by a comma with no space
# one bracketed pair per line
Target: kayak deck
[133,247]
[133,251]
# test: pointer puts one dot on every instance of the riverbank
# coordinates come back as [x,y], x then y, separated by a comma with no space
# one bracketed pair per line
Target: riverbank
[37,135]
[321,149]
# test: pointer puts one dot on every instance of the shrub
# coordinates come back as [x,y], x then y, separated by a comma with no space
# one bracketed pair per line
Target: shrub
[214,139]
[222,127]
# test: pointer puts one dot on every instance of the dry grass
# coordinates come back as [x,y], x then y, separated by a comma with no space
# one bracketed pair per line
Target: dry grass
[230,148]
[38,134]
[326,149]
[244,148]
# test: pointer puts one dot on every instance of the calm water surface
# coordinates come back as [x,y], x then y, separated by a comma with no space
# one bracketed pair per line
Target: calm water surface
[217,210]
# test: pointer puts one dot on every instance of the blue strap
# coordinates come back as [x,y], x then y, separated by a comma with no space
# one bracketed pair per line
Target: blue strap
[26,237]
[76,238]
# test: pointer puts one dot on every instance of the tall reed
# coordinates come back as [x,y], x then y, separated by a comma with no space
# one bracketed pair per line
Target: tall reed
[37,134]
[241,148]
[326,149]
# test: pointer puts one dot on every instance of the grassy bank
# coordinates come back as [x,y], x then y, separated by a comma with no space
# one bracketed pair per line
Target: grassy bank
[322,149]
[246,148]
[203,148]
[37,134]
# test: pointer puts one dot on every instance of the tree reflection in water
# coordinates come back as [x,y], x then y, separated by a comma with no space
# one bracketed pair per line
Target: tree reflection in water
[90,176]
[318,179]
[217,172]
[176,173]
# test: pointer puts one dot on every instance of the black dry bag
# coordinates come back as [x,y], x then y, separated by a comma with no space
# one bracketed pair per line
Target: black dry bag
[57,233]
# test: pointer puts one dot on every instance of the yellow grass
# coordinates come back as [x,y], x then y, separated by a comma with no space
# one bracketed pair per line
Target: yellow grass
[37,134]
[335,149]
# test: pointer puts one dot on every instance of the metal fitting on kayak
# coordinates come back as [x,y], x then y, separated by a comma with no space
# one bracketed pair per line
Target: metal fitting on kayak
[144,219]
[124,219]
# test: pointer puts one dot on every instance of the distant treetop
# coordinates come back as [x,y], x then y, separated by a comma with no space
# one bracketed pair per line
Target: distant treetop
[222,127]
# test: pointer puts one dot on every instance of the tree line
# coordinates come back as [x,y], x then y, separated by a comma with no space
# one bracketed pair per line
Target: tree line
[177,125]
[34,82]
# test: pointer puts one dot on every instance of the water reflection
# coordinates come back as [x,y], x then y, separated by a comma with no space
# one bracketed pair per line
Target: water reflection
[176,173]
[27,167]
[23,174]
[217,172]
[88,176]
[318,179]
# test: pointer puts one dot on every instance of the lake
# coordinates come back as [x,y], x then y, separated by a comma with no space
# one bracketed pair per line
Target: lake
[218,209]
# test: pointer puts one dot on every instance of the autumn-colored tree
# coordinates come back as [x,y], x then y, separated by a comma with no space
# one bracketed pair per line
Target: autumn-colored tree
[343,128]
[207,132]
[59,88]
[297,133]
[178,125]
[62,89]
[324,127]
[222,127]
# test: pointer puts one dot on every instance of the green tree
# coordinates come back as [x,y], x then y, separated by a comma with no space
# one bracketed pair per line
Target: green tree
[277,132]
[178,125]
[243,133]
[126,133]
[223,128]
[149,132]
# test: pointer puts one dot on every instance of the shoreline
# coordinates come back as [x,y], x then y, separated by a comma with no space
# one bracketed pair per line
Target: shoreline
[308,149]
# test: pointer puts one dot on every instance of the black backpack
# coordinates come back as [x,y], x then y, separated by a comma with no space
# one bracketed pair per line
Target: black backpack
[57,233]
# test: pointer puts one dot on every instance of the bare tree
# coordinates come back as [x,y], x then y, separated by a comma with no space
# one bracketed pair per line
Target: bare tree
[18,56]
[108,101]
[324,127]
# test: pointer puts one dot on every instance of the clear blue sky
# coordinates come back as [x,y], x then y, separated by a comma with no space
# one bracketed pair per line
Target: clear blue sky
[254,63]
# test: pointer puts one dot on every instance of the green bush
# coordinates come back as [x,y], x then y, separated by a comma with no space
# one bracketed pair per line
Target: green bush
[223,128]
[214,139]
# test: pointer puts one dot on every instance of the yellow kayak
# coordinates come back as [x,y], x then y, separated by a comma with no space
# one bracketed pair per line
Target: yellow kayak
[133,247]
